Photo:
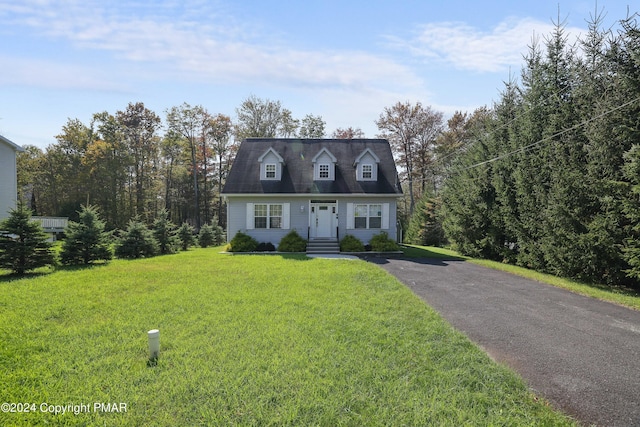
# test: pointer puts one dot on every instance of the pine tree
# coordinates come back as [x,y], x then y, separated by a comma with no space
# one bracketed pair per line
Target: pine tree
[206,237]
[425,225]
[137,241]
[186,236]
[86,241]
[23,243]
[165,233]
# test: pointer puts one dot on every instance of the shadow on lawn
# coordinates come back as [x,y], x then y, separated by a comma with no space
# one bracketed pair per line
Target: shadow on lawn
[45,271]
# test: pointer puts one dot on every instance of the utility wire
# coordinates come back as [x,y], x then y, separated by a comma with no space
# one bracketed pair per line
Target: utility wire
[562,132]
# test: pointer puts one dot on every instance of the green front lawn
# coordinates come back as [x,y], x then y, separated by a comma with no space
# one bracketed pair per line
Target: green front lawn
[245,340]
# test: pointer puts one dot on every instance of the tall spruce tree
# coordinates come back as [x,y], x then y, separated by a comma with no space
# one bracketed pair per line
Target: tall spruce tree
[23,243]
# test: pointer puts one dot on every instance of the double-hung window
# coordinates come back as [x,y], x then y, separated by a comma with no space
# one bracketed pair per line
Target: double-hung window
[368,216]
[267,215]
[270,171]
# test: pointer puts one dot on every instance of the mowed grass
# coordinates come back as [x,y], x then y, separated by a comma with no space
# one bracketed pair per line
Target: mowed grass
[618,295]
[245,340]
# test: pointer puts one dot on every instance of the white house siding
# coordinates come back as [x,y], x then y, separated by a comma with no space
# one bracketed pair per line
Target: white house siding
[299,218]
[8,179]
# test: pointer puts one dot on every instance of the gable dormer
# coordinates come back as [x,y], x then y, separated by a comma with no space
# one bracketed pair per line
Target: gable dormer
[366,165]
[324,166]
[271,165]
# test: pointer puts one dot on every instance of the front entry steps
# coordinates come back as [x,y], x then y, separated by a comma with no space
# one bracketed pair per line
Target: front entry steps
[325,246]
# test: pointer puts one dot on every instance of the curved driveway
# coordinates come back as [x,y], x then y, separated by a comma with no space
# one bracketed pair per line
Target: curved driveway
[581,354]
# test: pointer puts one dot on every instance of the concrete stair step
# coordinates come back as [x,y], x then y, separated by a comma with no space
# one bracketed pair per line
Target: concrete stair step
[323,247]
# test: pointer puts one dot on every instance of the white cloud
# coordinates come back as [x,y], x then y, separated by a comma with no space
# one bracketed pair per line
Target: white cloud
[168,42]
[469,48]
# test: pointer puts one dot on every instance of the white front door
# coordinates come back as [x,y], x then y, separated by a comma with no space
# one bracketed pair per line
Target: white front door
[322,220]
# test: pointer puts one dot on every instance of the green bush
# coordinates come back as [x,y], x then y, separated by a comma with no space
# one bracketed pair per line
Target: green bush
[351,243]
[266,247]
[382,243]
[242,243]
[292,242]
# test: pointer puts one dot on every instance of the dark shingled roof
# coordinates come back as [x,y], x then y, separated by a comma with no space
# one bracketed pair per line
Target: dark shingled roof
[297,173]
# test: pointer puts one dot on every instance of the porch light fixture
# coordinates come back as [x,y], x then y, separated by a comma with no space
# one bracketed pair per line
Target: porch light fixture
[301,208]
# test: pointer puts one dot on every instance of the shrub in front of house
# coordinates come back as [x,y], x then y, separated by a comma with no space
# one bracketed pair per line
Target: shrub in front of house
[266,247]
[351,243]
[382,243]
[292,242]
[242,243]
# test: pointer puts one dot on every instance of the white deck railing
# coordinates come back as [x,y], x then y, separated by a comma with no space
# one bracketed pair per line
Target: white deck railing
[51,223]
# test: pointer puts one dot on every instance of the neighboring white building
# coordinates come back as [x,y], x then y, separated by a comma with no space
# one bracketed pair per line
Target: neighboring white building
[8,176]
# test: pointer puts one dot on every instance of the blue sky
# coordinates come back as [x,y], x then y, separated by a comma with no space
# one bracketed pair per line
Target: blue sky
[344,60]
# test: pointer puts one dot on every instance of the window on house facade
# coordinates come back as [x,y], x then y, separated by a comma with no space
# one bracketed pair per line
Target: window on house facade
[368,216]
[367,171]
[275,216]
[267,215]
[260,215]
[323,171]
[270,170]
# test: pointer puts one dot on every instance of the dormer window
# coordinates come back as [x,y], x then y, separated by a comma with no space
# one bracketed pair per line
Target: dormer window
[270,170]
[324,166]
[367,172]
[270,165]
[323,171]
[366,165]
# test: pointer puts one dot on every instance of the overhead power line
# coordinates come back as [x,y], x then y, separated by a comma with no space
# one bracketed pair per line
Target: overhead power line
[549,138]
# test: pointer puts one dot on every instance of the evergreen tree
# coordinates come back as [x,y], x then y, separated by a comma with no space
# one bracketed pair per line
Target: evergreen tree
[137,241]
[165,233]
[218,235]
[86,241]
[632,212]
[23,243]
[425,225]
[206,237]
[186,236]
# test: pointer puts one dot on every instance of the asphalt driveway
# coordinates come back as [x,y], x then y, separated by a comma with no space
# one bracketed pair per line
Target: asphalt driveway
[581,354]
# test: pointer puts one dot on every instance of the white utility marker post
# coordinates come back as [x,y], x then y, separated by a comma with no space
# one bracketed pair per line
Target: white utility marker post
[154,343]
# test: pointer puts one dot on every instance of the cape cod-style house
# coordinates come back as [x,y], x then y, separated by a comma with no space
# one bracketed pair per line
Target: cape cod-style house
[8,176]
[322,188]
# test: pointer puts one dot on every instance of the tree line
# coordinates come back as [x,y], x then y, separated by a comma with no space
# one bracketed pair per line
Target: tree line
[131,163]
[549,178]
